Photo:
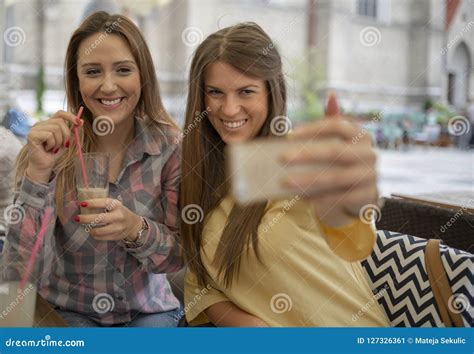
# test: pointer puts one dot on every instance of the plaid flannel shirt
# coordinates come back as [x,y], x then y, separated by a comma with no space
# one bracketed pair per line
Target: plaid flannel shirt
[104,279]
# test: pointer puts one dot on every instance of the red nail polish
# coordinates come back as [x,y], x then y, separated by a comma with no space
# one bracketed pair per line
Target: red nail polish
[78,122]
[56,151]
[67,143]
[84,204]
[77,218]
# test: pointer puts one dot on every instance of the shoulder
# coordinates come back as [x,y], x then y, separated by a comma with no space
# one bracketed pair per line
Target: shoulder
[160,138]
[161,130]
[216,219]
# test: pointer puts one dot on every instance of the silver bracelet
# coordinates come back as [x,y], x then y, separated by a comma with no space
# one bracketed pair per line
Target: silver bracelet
[140,236]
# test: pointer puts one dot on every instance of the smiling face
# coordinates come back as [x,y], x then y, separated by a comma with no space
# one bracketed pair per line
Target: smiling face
[238,103]
[109,79]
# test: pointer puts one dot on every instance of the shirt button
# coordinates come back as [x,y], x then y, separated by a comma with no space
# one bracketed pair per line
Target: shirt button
[120,297]
[118,270]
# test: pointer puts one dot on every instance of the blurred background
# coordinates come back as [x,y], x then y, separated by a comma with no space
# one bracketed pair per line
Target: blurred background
[402,68]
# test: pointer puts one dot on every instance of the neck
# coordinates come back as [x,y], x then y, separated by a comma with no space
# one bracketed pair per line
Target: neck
[119,139]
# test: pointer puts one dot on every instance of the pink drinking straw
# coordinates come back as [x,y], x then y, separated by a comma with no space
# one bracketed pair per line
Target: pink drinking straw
[39,240]
[79,149]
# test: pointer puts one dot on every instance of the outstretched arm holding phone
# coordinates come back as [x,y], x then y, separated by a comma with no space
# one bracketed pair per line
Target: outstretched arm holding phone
[349,181]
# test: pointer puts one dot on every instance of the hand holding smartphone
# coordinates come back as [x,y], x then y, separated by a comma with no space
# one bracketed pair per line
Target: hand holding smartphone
[257,171]
[326,168]
[256,168]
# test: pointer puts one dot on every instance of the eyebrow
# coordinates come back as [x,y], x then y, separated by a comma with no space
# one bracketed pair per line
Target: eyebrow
[114,64]
[240,88]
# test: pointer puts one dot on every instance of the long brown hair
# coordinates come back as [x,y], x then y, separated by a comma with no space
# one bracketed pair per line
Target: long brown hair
[149,106]
[247,48]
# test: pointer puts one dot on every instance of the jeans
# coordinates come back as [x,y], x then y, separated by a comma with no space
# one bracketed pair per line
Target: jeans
[162,319]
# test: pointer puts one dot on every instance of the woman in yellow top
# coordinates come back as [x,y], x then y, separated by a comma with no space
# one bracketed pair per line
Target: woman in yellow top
[269,264]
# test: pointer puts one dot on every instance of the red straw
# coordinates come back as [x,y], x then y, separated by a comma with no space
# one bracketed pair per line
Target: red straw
[79,149]
[39,240]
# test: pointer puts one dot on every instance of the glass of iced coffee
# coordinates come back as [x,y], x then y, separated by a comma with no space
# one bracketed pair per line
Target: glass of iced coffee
[94,181]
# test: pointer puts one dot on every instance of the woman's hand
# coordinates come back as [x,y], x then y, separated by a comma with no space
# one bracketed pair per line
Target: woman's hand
[45,140]
[118,221]
[347,180]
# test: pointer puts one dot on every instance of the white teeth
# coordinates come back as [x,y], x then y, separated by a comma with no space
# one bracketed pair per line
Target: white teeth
[110,102]
[234,125]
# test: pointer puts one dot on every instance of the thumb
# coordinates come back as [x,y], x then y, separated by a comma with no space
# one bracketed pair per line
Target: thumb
[332,107]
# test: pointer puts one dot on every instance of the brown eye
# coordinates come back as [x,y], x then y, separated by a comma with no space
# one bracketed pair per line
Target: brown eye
[92,72]
[124,70]
[247,92]
[214,92]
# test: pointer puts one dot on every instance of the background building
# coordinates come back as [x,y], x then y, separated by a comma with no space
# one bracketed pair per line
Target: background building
[385,55]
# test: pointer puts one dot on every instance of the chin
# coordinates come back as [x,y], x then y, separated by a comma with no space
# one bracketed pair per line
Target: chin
[235,139]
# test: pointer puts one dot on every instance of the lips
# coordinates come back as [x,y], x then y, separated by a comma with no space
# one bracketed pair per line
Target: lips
[234,124]
[110,102]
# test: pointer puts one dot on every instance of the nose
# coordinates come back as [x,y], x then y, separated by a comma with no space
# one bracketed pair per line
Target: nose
[230,106]
[108,85]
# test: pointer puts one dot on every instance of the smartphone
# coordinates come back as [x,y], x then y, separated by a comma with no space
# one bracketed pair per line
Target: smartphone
[256,171]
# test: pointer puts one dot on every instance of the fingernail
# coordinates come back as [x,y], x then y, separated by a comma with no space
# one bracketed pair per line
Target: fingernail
[56,151]
[67,143]
[84,204]
[78,121]
[77,218]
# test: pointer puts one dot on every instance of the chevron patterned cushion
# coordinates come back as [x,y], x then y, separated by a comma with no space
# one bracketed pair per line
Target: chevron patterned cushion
[397,275]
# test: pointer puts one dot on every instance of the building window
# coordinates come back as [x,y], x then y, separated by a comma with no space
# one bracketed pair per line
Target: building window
[451,83]
[367,8]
